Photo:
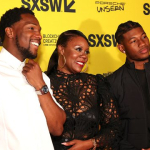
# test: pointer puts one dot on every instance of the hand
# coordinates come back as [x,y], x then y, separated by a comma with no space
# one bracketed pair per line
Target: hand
[79,145]
[146,149]
[33,74]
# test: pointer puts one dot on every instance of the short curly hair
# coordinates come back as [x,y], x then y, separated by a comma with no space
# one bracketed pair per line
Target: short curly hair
[123,28]
[10,17]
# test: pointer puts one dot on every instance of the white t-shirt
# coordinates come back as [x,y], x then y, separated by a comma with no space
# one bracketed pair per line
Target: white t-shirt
[23,125]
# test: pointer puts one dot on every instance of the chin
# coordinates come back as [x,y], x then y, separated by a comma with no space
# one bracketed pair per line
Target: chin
[143,59]
[146,57]
[33,56]
[77,71]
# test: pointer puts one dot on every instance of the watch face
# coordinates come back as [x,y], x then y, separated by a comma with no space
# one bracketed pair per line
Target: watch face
[45,89]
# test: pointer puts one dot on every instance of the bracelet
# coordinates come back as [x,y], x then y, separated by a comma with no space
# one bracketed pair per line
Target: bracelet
[94,144]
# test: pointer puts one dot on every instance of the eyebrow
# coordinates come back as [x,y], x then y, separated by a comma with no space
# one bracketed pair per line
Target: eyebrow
[78,46]
[33,24]
[135,37]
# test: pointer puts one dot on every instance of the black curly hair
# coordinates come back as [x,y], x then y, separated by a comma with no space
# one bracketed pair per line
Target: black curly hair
[123,28]
[10,17]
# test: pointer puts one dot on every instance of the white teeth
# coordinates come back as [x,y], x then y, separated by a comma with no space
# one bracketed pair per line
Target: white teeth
[34,43]
[80,63]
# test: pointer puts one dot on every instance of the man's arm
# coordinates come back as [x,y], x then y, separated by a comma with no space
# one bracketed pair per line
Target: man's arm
[55,116]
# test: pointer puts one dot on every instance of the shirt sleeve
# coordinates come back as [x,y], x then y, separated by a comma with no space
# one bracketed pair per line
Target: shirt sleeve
[109,134]
[47,81]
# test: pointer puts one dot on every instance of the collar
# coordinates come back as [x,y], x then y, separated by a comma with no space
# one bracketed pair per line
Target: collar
[12,61]
[131,65]
[61,74]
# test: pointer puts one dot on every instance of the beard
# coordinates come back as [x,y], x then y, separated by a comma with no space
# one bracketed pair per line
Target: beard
[25,52]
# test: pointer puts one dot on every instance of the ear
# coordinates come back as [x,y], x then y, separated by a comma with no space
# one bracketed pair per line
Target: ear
[121,48]
[9,32]
[60,49]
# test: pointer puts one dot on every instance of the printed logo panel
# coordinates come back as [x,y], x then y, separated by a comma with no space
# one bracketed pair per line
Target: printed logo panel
[50,5]
[146,7]
[104,6]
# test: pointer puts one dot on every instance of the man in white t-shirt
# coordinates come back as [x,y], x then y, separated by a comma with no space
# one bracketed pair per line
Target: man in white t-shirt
[28,111]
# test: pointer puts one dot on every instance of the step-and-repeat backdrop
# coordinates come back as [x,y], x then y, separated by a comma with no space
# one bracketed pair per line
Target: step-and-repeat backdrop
[97,19]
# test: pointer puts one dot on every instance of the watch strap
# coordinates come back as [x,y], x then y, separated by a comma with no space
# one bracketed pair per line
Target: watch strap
[43,90]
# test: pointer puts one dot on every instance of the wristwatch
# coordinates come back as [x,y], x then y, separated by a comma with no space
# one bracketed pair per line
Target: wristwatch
[43,90]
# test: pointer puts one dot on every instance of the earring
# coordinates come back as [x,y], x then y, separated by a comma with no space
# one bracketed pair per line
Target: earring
[64,61]
[124,52]
[85,68]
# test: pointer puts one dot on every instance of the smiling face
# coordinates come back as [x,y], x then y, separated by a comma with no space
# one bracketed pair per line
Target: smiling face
[76,54]
[26,36]
[136,45]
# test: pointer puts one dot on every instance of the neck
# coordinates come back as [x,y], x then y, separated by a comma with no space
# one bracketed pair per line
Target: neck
[140,64]
[14,52]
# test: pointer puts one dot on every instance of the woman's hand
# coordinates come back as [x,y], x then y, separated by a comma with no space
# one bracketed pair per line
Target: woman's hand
[79,145]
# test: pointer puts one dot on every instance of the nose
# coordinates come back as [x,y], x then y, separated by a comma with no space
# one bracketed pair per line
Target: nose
[38,35]
[141,43]
[84,55]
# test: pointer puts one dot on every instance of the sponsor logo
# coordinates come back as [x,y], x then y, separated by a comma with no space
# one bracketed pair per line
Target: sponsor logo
[103,40]
[50,39]
[0,43]
[95,40]
[146,7]
[50,5]
[103,6]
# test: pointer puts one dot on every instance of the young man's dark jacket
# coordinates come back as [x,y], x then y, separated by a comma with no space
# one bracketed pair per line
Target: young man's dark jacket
[126,90]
